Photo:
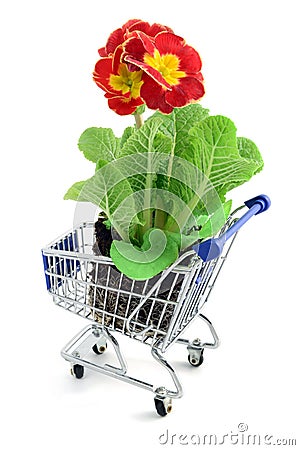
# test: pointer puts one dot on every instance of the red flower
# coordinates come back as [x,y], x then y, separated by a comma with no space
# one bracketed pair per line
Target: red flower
[172,76]
[120,35]
[122,87]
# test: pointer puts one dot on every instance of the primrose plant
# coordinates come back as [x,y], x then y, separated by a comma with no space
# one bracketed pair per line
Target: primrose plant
[162,186]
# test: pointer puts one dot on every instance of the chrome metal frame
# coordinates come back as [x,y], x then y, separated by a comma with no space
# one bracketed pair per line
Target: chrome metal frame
[78,351]
[68,261]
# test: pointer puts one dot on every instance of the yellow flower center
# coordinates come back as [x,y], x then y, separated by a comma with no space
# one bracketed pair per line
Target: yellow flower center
[127,81]
[167,65]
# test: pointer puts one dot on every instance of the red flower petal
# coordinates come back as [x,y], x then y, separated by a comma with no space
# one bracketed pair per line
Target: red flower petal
[157,28]
[102,52]
[123,106]
[169,43]
[120,35]
[150,30]
[117,59]
[134,48]
[199,76]
[145,27]
[118,94]
[177,97]
[115,39]
[102,72]
[166,43]
[153,73]
[154,95]
[187,90]
[130,24]
[137,46]
[190,60]
[134,51]
[147,42]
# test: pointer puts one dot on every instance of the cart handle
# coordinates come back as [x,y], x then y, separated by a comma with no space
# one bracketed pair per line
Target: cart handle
[212,248]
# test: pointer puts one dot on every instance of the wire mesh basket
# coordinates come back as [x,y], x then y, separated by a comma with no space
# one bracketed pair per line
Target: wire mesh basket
[93,288]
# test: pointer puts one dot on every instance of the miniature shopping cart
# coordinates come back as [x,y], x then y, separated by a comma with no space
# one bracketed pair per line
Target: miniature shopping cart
[155,312]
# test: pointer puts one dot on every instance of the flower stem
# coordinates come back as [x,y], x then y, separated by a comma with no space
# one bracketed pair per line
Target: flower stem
[138,120]
[146,214]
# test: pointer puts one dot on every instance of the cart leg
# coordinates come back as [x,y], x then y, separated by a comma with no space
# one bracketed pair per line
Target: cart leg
[216,339]
[77,353]
[93,337]
[196,347]
[163,396]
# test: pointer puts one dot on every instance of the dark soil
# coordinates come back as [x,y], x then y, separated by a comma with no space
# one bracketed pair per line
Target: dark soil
[114,299]
[103,238]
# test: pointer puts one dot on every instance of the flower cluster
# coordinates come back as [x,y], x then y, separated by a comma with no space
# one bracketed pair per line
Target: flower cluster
[148,64]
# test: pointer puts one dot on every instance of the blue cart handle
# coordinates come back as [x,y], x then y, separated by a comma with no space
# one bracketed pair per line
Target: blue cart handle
[212,248]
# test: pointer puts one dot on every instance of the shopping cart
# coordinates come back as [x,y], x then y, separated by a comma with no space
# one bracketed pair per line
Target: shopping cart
[155,312]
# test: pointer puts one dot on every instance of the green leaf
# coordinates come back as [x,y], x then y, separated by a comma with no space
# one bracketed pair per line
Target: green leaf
[177,124]
[190,185]
[142,154]
[158,252]
[227,208]
[100,163]
[215,222]
[184,240]
[147,139]
[188,240]
[99,143]
[74,191]
[107,223]
[140,109]
[172,173]
[249,150]
[126,134]
[217,154]
[110,190]
[201,220]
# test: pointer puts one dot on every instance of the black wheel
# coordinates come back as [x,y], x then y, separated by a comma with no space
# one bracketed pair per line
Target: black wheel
[78,371]
[161,408]
[99,349]
[196,361]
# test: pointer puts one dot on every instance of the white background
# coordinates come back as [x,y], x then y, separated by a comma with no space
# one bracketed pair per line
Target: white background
[250,59]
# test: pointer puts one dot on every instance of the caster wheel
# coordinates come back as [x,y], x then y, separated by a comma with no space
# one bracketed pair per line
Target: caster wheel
[99,349]
[163,407]
[195,359]
[77,371]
